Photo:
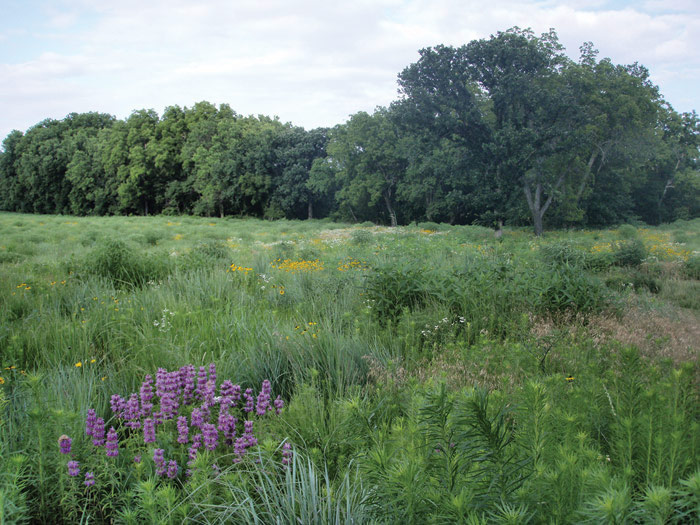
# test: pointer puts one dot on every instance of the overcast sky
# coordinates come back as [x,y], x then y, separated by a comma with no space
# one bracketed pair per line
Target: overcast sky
[309,62]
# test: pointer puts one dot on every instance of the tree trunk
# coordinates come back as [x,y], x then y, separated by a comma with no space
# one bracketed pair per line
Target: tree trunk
[145,206]
[390,209]
[311,210]
[537,209]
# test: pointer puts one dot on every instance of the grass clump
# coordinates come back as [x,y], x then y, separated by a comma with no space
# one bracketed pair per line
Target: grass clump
[123,265]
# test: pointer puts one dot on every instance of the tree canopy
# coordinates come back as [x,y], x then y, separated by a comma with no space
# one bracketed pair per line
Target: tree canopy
[506,128]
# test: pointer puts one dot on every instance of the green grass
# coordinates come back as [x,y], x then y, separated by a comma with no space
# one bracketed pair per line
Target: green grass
[430,374]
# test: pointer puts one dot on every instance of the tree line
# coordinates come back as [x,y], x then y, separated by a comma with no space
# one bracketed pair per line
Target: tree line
[501,129]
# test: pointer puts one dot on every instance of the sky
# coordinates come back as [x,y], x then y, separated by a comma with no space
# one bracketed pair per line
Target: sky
[309,62]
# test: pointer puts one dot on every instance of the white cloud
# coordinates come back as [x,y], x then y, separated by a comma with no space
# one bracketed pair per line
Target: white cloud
[311,62]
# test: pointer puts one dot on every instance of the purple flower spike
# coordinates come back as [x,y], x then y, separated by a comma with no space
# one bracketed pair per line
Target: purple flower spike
[172,469]
[137,459]
[98,432]
[146,394]
[89,479]
[91,419]
[279,405]
[65,443]
[286,453]
[112,445]
[182,430]
[249,403]
[159,460]
[132,412]
[73,468]
[210,436]
[201,381]
[149,431]
[117,404]
[187,375]
[212,373]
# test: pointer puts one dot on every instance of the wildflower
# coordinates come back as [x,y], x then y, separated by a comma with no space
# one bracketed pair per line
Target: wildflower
[182,430]
[281,292]
[249,405]
[2,380]
[172,469]
[159,460]
[90,421]
[78,364]
[146,394]
[279,404]
[112,444]
[118,405]
[263,404]
[212,373]
[89,479]
[149,431]
[92,361]
[137,459]
[132,412]
[569,378]
[73,468]
[98,432]
[210,436]
[65,442]
[286,453]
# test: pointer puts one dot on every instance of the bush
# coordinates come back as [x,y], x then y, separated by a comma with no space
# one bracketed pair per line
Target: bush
[634,279]
[361,237]
[116,261]
[564,252]
[627,231]
[629,253]
[691,267]
[569,289]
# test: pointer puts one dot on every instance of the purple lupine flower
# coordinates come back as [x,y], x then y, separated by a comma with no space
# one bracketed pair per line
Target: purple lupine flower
[182,430]
[117,404]
[168,405]
[112,445]
[89,479]
[208,393]
[227,426]
[132,412]
[159,460]
[263,400]
[279,405]
[250,439]
[187,375]
[197,418]
[212,373]
[239,448]
[90,420]
[137,459]
[191,458]
[248,426]
[227,390]
[73,468]
[236,394]
[149,431]
[249,403]
[146,394]
[161,374]
[65,442]
[201,381]
[98,432]
[210,436]
[172,469]
[197,441]
[286,453]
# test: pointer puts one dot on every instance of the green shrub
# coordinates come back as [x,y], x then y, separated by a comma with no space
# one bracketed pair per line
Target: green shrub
[691,267]
[569,289]
[627,231]
[564,252]
[633,279]
[361,237]
[629,253]
[118,262]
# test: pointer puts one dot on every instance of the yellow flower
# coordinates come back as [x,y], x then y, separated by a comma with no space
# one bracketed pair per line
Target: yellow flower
[78,364]
[93,360]
[281,292]
[2,380]
[104,377]
[570,378]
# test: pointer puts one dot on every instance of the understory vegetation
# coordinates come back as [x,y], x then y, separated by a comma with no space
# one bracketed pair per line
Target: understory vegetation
[187,369]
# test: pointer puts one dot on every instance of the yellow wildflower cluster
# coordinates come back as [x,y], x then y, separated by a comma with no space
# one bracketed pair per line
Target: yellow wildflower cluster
[602,247]
[428,232]
[349,263]
[23,286]
[178,236]
[661,246]
[308,328]
[291,266]
[235,268]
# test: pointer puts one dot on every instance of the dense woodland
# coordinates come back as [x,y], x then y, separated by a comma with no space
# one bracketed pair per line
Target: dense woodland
[501,129]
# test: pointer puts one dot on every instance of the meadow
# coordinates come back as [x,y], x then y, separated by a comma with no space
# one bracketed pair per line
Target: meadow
[186,369]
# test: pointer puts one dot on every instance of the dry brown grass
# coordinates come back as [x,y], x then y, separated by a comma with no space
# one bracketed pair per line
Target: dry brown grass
[672,334]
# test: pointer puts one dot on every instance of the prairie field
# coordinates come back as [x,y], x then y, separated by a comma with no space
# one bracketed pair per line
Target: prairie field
[190,369]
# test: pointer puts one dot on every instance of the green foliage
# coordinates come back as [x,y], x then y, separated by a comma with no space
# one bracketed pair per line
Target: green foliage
[115,260]
[691,267]
[566,288]
[629,253]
